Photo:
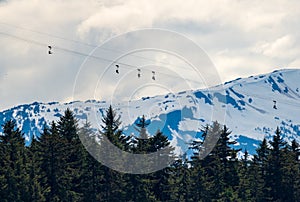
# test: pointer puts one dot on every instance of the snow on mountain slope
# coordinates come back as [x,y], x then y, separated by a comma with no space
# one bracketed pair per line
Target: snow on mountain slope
[248,104]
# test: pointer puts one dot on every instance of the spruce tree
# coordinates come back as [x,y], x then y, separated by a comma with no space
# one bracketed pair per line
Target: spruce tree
[93,174]
[295,147]
[228,157]
[67,128]
[275,165]
[221,166]
[36,193]
[114,181]
[198,180]
[142,185]
[152,186]
[160,142]
[258,173]
[244,179]
[50,154]
[13,161]
[183,181]
[14,176]
[290,175]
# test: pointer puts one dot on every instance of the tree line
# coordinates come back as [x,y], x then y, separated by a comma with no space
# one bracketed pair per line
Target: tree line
[57,167]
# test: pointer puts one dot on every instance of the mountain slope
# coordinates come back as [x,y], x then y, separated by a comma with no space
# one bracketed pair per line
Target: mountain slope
[248,106]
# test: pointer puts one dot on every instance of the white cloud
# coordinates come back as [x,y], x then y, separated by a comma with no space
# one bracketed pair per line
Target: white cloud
[294,64]
[241,37]
[245,15]
[282,47]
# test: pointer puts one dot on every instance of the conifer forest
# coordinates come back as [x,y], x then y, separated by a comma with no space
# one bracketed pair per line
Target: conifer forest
[57,167]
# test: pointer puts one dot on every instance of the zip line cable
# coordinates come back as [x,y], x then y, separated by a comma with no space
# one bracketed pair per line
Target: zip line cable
[124,65]
[117,64]
[85,44]
[47,34]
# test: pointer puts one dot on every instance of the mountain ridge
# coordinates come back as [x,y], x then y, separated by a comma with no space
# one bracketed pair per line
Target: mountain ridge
[247,104]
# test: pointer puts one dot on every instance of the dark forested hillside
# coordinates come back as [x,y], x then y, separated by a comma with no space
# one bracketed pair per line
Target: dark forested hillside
[57,167]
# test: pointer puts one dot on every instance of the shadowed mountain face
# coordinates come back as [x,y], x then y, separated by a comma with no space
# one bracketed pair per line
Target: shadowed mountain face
[253,106]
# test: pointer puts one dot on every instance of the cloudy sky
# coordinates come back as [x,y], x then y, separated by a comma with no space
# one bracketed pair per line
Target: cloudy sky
[241,38]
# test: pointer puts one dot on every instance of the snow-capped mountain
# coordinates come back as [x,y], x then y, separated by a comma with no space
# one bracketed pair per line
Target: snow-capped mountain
[253,108]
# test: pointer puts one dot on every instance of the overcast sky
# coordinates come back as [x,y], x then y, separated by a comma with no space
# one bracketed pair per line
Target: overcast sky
[241,38]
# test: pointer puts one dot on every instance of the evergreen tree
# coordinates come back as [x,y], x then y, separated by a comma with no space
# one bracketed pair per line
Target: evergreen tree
[50,154]
[56,166]
[258,173]
[198,175]
[93,171]
[114,183]
[290,175]
[67,128]
[213,170]
[36,193]
[244,179]
[150,187]
[110,129]
[228,157]
[160,142]
[221,166]
[295,147]
[275,165]
[296,166]
[142,185]
[183,179]
[13,164]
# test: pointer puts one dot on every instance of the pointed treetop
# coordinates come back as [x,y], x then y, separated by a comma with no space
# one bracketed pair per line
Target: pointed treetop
[141,122]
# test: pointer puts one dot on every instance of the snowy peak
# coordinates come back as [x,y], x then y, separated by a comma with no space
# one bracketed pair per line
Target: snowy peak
[282,81]
[253,108]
